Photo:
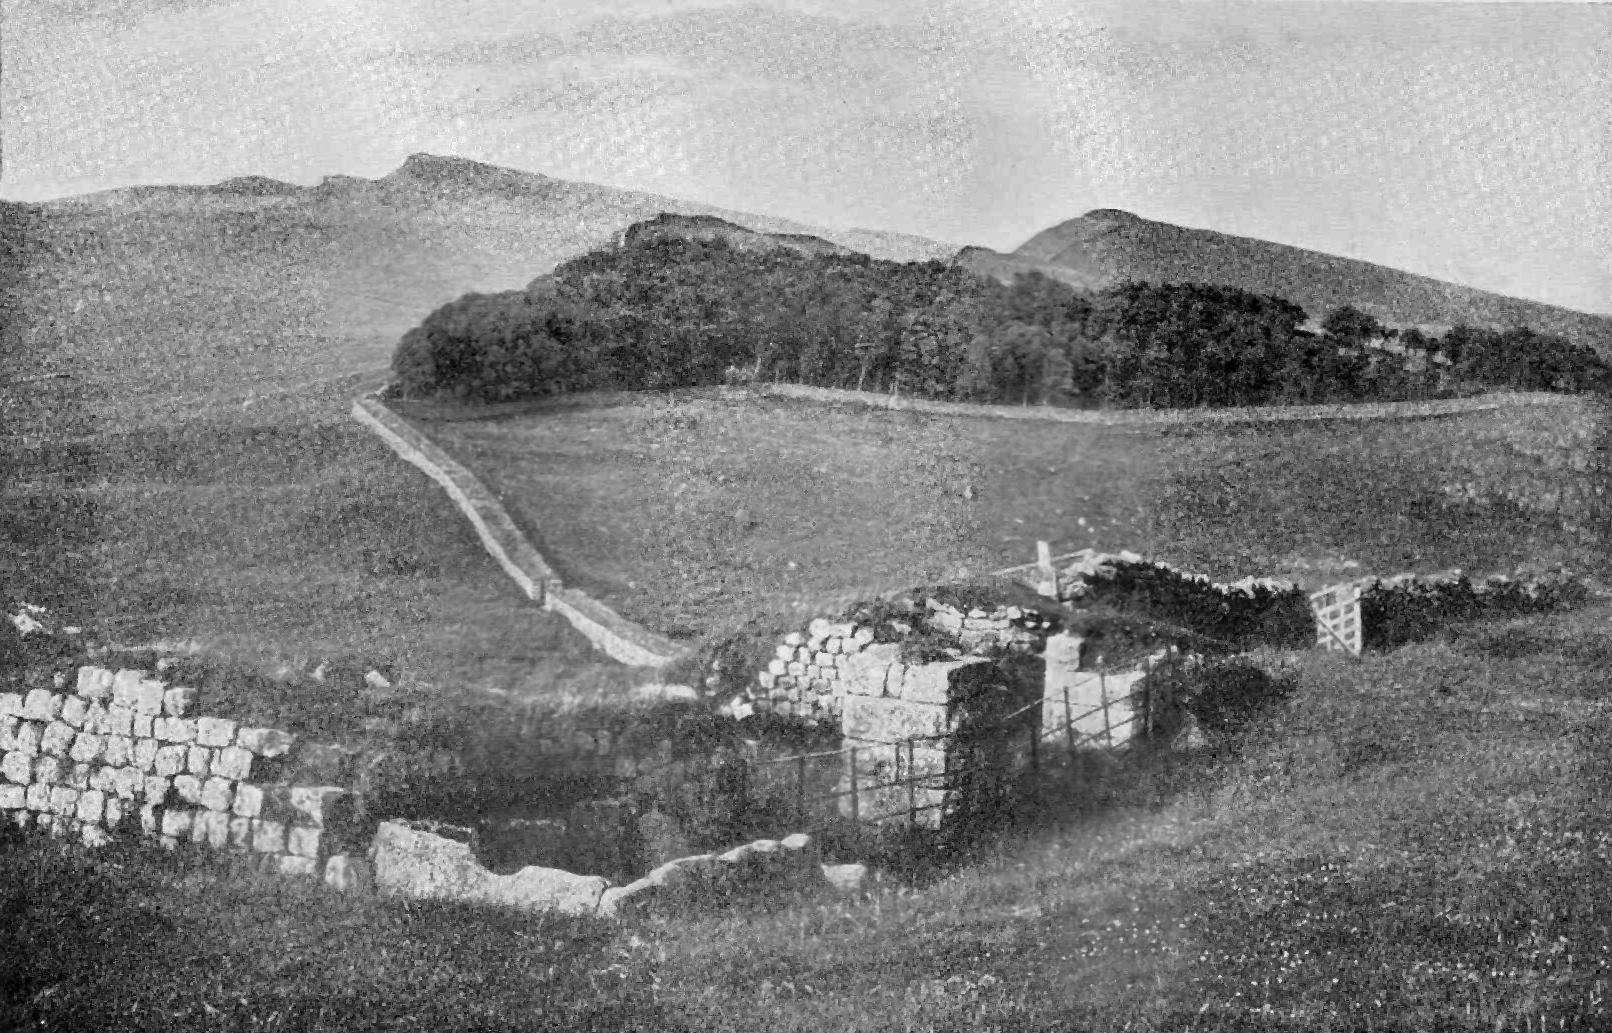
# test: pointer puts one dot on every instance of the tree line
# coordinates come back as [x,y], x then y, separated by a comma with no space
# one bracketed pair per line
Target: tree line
[668,312]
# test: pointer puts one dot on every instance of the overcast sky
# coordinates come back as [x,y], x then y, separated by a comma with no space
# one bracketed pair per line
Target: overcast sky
[1465,141]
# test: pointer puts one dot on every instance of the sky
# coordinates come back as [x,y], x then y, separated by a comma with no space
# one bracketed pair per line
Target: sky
[1459,140]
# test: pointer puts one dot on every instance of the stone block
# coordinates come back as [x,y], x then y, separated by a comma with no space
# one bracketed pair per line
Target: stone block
[784,653]
[94,683]
[210,828]
[86,748]
[171,759]
[37,797]
[892,720]
[318,804]
[766,679]
[63,799]
[177,701]
[348,874]
[8,732]
[156,789]
[95,718]
[93,836]
[248,800]
[199,761]
[78,776]
[892,681]
[12,797]
[176,822]
[129,783]
[240,833]
[777,667]
[218,794]
[91,805]
[23,819]
[930,683]
[41,705]
[29,737]
[268,837]
[104,778]
[11,704]
[17,767]
[303,842]
[264,742]
[820,627]
[126,687]
[151,819]
[57,739]
[796,669]
[142,725]
[233,762]
[189,789]
[812,673]
[144,754]
[148,697]
[117,750]
[291,864]
[175,729]
[216,731]
[794,640]
[74,711]
[417,862]
[804,654]
[113,811]
[48,770]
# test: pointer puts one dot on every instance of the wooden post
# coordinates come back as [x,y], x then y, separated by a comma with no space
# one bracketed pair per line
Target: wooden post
[856,810]
[1102,695]
[800,786]
[912,789]
[1069,723]
[1046,576]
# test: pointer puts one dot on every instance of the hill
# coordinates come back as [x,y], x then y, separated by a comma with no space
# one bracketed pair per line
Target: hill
[1107,246]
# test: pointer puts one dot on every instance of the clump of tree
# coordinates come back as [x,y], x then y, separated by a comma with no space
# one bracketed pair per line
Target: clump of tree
[664,311]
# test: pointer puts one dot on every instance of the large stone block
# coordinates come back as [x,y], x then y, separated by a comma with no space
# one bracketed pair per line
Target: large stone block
[57,739]
[95,683]
[126,687]
[215,731]
[29,737]
[17,767]
[170,760]
[218,794]
[177,701]
[291,864]
[8,733]
[304,842]
[156,789]
[891,720]
[148,696]
[199,761]
[91,805]
[189,789]
[211,828]
[145,754]
[176,822]
[78,776]
[12,797]
[86,748]
[37,797]
[240,833]
[75,710]
[129,783]
[11,704]
[264,742]
[233,762]
[49,770]
[416,862]
[175,729]
[113,812]
[248,800]
[141,726]
[63,800]
[105,778]
[41,705]
[118,750]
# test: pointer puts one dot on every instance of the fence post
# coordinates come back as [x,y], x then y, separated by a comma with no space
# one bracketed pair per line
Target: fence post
[1068,723]
[912,790]
[800,786]
[856,810]
[1102,696]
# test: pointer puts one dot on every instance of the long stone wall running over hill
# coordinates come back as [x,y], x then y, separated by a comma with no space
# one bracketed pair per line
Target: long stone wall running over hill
[123,752]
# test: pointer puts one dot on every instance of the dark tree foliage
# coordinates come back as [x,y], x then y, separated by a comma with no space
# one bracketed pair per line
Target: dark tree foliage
[661,311]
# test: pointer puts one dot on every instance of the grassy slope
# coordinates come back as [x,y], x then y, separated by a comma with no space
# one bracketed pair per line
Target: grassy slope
[638,500]
[1416,841]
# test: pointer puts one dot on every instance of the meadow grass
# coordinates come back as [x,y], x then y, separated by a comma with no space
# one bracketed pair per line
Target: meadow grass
[1414,841]
[702,509]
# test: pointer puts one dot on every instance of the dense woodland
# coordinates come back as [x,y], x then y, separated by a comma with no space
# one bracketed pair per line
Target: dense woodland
[669,311]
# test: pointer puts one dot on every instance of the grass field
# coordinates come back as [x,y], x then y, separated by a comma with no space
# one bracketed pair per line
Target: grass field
[1415,841]
[692,512]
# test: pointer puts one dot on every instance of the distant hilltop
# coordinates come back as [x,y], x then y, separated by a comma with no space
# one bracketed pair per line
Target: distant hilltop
[1107,246]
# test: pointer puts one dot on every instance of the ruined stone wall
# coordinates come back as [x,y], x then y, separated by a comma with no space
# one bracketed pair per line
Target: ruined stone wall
[122,752]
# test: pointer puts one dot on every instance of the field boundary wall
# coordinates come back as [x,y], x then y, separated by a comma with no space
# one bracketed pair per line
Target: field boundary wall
[1151,417]
[617,636]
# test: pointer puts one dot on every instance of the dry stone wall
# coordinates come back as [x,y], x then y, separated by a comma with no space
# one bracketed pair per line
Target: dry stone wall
[124,752]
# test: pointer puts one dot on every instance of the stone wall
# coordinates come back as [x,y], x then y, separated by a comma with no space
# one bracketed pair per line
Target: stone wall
[122,752]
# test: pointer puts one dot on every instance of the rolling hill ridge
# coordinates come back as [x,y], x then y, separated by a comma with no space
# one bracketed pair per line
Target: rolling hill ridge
[1107,246]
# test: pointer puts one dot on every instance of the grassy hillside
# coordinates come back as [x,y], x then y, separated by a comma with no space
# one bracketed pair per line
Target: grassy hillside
[1417,841]
[1107,246]
[701,510]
